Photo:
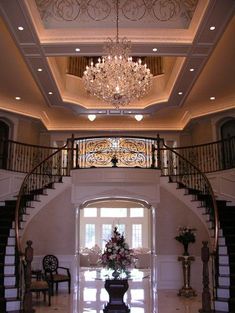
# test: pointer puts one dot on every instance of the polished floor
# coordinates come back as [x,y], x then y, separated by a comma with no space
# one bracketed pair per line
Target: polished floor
[92,297]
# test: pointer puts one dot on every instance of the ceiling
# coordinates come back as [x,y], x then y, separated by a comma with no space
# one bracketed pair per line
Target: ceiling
[198,62]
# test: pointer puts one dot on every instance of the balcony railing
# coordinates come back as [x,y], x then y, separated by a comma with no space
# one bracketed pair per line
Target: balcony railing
[117,152]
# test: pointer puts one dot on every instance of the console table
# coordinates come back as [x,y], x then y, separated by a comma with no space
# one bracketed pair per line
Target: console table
[116,289]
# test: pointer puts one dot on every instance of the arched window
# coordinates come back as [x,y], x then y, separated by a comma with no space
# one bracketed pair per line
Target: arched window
[4,136]
[227,131]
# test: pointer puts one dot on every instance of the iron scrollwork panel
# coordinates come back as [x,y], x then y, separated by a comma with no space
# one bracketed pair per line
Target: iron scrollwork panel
[121,152]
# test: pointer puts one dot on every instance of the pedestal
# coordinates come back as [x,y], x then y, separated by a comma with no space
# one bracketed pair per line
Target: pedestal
[116,289]
[186,290]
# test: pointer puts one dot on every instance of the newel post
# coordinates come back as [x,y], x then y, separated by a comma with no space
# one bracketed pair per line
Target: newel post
[206,296]
[27,301]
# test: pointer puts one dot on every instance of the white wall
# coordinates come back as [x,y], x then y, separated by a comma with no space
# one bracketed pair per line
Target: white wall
[52,230]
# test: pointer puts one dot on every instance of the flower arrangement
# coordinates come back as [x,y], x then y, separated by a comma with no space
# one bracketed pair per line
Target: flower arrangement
[186,236]
[117,255]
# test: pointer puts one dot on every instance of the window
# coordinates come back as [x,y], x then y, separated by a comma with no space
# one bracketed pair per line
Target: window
[90,235]
[136,235]
[106,233]
[121,229]
[90,212]
[113,212]
[136,212]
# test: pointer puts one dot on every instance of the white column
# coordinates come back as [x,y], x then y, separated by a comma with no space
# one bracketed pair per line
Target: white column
[76,286]
[154,300]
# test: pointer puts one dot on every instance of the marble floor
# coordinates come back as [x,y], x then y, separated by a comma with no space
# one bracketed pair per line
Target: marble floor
[140,298]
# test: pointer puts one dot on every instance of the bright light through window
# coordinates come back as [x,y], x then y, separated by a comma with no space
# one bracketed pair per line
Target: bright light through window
[136,212]
[90,235]
[113,212]
[121,229]
[90,212]
[106,233]
[136,235]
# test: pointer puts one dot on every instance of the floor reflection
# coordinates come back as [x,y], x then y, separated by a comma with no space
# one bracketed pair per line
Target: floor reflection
[92,297]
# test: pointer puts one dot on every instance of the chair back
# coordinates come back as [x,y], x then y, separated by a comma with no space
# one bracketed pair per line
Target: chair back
[50,263]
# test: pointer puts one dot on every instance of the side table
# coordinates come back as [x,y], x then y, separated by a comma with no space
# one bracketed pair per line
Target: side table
[186,290]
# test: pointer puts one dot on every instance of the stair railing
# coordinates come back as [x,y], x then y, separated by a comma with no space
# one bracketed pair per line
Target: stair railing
[43,175]
[188,175]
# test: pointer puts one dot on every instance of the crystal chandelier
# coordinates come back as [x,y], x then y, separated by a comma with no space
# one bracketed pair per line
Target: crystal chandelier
[116,78]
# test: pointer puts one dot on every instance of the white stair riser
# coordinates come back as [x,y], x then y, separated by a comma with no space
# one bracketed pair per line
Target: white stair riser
[11,241]
[224,281]
[221,306]
[224,270]
[10,250]
[223,293]
[9,281]
[13,306]
[223,250]
[9,270]
[9,259]
[221,241]
[11,293]
[223,260]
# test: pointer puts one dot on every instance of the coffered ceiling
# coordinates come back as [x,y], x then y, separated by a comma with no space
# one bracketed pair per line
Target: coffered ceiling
[194,38]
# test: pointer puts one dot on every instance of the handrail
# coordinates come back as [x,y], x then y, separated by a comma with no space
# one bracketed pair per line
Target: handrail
[20,194]
[211,193]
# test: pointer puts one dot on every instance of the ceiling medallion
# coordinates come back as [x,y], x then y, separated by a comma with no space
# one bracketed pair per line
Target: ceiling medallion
[116,78]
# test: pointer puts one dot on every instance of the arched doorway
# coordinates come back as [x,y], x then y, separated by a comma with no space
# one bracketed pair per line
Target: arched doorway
[149,225]
[227,132]
[4,136]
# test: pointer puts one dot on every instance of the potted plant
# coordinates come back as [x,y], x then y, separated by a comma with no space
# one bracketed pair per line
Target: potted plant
[186,236]
[117,255]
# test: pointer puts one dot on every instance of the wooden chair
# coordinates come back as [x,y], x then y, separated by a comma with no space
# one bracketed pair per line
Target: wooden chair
[53,273]
[41,286]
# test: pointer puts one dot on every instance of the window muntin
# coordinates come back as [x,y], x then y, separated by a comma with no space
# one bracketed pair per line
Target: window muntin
[137,235]
[89,235]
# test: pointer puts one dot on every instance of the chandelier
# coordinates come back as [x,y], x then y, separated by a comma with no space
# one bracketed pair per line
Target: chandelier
[116,78]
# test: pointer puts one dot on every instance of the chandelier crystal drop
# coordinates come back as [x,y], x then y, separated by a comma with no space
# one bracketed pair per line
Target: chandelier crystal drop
[116,78]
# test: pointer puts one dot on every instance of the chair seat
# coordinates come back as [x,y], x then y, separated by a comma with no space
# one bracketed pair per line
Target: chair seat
[39,285]
[60,277]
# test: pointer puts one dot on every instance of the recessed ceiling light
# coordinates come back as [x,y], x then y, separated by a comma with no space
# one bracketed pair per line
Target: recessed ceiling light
[50,93]
[139,117]
[212,28]
[180,93]
[18,98]
[100,112]
[39,69]
[154,49]
[91,117]
[78,49]
[191,69]
[212,98]
[20,28]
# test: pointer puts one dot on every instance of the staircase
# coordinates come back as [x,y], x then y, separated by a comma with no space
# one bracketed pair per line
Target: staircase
[226,281]
[8,290]
[32,204]
[225,267]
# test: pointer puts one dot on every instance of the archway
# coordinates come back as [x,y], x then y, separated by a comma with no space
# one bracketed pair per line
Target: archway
[151,216]
[227,132]
[4,136]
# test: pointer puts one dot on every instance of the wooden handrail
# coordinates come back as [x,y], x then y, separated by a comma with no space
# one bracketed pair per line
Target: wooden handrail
[211,193]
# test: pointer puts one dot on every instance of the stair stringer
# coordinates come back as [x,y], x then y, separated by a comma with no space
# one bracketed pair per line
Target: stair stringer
[192,205]
[43,200]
